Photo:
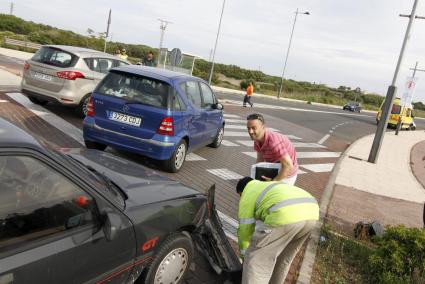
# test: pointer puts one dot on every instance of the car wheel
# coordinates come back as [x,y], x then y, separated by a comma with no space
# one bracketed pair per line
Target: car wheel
[95,145]
[81,109]
[37,101]
[217,141]
[171,262]
[175,163]
[412,127]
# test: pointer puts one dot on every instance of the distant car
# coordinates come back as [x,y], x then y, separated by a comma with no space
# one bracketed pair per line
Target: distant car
[90,217]
[65,74]
[154,112]
[353,106]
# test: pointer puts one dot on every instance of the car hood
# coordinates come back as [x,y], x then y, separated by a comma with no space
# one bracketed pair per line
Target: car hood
[142,185]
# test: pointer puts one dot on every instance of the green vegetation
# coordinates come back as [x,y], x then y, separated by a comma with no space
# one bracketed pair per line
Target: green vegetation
[16,28]
[397,257]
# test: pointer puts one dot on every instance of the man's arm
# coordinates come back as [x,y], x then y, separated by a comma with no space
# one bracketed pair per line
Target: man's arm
[286,168]
[259,157]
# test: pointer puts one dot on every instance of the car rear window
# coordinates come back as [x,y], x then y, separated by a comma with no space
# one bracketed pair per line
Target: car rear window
[135,88]
[54,56]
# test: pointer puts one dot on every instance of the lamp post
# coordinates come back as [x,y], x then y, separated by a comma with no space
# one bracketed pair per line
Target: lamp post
[289,47]
[215,45]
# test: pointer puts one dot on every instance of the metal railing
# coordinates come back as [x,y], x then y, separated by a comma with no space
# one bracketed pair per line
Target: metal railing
[26,44]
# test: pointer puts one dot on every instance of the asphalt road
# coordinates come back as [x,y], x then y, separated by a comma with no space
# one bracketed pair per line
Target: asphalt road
[321,133]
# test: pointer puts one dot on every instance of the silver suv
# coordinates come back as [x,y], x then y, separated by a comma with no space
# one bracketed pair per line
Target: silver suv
[66,74]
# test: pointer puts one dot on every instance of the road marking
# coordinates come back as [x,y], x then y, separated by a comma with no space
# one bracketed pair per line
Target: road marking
[231,115]
[301,155]
[319,168]
[324,138]
[229,143]
[232,126]
[4,101]
[231,120]
[193,157]
[246,142]
[251,154]
[225,174]
[307,145]
[49,117]
[236,134]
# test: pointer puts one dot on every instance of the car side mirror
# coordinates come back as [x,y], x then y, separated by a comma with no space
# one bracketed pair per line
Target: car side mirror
[218,106]
[111,226]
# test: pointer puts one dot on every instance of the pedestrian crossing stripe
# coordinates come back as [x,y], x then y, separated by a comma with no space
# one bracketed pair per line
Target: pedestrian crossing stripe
[193,157]
[231,115]
[307,145]
[319,168]
[246,143]
[245,134]
[229,143]
[233,126]
[301,155]
[225,174]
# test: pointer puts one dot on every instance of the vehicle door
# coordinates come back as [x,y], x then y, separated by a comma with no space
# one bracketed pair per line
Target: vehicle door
[51,229]
[214,116]
[197,117]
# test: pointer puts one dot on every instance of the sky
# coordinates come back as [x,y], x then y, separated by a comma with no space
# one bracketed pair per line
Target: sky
[353,43]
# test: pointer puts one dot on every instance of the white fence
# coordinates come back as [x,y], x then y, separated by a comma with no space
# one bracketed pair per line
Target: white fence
[27,44]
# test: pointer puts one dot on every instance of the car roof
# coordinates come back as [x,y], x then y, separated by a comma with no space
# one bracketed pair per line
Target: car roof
[82,51]
[156,73]
[13,136]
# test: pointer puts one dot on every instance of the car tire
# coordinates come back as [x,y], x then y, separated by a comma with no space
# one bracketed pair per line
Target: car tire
[218,138]
[95,145]
[81,109]
[172,261]
[176,161]
[412,127]
[37,101]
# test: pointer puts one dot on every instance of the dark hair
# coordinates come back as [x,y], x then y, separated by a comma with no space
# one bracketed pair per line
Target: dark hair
[242,183]
[253,116]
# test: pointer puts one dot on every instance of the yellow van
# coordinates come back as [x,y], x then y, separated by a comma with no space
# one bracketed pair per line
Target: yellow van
[396,110]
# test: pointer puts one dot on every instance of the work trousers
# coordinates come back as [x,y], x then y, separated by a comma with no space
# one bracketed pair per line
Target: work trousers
[271,251]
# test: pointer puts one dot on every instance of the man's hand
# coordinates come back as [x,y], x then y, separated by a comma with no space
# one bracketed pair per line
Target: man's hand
[266,178]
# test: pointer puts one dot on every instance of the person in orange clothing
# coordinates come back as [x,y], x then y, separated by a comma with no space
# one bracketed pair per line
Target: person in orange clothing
[248,95]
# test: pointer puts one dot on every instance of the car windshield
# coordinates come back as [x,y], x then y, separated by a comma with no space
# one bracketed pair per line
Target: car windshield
[396,109]
[136,89]
[55,57]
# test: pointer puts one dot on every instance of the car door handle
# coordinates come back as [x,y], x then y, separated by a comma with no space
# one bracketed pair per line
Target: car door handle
[6,278]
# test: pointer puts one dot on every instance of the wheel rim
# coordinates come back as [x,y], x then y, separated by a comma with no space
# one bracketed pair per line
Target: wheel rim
[84,106]
[172,267]
[180,155]
[220,136]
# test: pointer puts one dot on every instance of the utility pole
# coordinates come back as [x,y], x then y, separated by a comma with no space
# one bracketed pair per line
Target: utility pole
[107,30]
[162,27]
[215,45]
[11,8]
[382,125]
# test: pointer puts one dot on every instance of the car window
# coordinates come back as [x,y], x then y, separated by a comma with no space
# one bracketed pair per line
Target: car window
[101,65]
[177,103]
[135,88]
[207,95]
[120,63]
[396,109]
[36,202]
[55,57]
[191,89]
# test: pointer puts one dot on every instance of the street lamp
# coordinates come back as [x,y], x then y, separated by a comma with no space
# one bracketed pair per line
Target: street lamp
[289,47]
[215,46]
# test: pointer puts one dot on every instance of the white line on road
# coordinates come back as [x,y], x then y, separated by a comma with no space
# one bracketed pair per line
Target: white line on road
[301,155]
[49,117]
[324,138]
[229,143]
[307,145]
[318,168]
[225,174]
[193,157]
[231,115]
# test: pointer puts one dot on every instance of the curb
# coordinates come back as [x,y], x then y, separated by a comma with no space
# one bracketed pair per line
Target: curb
[306,269]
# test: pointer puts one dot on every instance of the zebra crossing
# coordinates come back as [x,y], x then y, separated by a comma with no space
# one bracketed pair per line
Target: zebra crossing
[236,136]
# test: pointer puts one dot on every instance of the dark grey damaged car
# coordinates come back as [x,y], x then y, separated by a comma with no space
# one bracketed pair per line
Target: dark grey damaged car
[91,217]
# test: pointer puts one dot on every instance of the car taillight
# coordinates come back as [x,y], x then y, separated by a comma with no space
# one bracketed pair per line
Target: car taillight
[26,66]
[70,75]
[90,108]
[166,127]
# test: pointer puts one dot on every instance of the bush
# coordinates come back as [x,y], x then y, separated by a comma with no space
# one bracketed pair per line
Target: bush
[400,256]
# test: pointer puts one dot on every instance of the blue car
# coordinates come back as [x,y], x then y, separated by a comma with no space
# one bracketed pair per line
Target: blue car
[153,112]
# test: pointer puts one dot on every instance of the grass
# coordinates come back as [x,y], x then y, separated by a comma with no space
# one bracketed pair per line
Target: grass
[341,259]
